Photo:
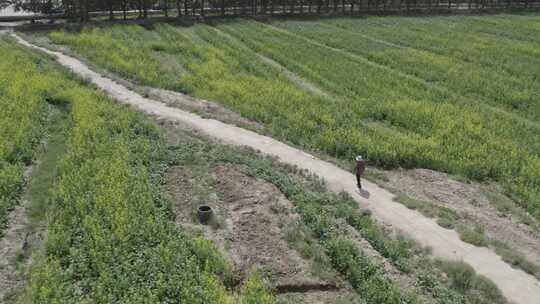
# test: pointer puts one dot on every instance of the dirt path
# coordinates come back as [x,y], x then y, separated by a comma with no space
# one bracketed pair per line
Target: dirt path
[473,202]
[16,247]
[13,245]
[516,285]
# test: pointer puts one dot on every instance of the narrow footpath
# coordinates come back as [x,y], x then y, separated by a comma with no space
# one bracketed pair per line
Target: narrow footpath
[516,285]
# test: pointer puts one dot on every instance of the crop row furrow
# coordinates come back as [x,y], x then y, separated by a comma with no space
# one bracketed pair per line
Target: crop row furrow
[453,40]
[468,82]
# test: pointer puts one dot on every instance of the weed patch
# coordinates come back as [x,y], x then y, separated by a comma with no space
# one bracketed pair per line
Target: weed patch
[473,235]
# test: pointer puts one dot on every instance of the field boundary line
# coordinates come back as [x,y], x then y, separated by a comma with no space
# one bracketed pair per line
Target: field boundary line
[381,41]
[480,65]
[507,37]
[297,80]
[432,51]
[363,59]
[516,285]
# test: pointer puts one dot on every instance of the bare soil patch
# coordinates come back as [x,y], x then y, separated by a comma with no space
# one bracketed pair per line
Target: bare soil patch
[250,215]
[249,227]
[318,297]
[12,245]
[15,249]
[255,212]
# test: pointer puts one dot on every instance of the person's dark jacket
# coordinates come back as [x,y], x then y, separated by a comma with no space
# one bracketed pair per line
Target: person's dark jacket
[360,167]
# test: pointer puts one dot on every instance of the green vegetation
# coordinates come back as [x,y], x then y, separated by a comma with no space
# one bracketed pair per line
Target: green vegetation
[23,112]
[255,291]
[110,229]
[446,218]
[516,259]
[323,215]
[406,92]
[44,174]
[450,219]
[474,235]
[110,237]
[477,288]
[451,57]
[424,126]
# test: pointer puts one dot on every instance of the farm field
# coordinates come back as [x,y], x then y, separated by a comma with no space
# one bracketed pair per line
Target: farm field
[98,201]
[120,225]
[22,116]
[105,219]
[453,94]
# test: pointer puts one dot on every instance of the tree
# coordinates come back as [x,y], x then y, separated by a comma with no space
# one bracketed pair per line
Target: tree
[5,3]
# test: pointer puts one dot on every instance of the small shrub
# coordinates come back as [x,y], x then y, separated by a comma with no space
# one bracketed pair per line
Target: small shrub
[407,201]
[476,289]
[446,223]
[254,291]
[461,275]
[473,236]
[299,239]
[487,292]
[447,218]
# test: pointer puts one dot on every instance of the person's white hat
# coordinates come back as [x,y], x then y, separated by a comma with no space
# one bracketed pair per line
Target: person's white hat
[358,157]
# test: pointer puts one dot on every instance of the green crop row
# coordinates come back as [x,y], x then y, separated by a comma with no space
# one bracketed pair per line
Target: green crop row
[394,119]
[514,27]
[23,114]
[457,37]
[494,86]
[111,235]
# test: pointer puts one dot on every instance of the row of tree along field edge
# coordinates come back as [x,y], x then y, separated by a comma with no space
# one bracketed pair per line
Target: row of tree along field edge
[126,9]
[378,100]
[111,237]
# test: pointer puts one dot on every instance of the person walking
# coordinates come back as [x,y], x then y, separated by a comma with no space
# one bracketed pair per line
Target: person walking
[360,167]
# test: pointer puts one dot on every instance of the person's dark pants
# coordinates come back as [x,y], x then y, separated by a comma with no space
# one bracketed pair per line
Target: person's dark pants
[358,181]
